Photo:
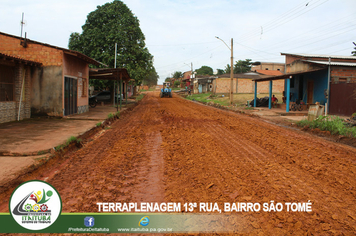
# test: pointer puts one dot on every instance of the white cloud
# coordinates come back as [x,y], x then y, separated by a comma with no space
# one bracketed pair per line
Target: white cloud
[179,32]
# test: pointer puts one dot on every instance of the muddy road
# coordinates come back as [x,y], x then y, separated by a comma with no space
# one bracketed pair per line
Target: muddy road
[173,150]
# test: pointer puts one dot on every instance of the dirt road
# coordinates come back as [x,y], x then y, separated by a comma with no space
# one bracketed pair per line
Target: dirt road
[173,150]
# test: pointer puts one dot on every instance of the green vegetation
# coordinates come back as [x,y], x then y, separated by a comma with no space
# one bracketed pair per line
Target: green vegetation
[69,141]
[98,124]
[209,97]
[118,114]
[113,23]
[224,99]
[140,96]
[333,124]
[110,116]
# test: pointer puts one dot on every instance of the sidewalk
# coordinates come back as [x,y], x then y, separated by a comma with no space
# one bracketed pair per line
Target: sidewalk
[25,142]
[38,135]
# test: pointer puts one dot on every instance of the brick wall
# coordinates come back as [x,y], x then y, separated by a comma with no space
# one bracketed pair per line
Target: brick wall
[9,110]
[344,74]
[247,86]
[48,56]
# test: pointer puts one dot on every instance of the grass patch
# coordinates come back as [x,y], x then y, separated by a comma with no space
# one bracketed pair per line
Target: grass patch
[69,141]
[98,124]
[333,124]
[140,96]
[110,116]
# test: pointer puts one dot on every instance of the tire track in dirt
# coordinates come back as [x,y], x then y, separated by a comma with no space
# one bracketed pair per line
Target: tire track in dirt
[287,163]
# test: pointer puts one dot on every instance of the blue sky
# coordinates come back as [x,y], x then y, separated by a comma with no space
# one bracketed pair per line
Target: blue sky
[179,33]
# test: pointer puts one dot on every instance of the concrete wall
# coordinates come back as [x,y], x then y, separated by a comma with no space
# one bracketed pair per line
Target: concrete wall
[47,95]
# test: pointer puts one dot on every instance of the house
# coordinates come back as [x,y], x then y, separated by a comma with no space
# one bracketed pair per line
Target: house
[274,66]
[16,76]
[327,79]
[203,84]
[59,86]
[242,83]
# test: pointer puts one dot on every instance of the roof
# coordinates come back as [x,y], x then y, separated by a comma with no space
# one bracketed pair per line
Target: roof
[70,52]
[333,63]
[320,56]
[286,76]
[21,60]
[109,74]
[269,72]
[248,75]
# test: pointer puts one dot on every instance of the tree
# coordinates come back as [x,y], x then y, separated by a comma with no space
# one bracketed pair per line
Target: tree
[177,84]
[220,71]
[177,75]
[354,52]
[109,24]
[168,79]
[151,79]
[227,69]
[205,70]
[242,66]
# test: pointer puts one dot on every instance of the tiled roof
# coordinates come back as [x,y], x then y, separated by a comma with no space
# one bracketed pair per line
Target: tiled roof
[25,61]
[269,72]
[71,52]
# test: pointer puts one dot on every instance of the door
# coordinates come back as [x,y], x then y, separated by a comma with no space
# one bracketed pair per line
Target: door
[70,96]
[200,88]
[310,92]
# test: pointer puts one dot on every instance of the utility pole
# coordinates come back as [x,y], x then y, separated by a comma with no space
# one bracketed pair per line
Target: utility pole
[22,23]
[114,80]
[232,67]
[232,73]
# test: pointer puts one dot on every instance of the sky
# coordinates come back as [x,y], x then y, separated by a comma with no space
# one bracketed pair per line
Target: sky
[181,33]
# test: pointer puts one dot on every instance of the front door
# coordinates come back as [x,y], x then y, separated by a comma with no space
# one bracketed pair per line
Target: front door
[310,92]
[70,96]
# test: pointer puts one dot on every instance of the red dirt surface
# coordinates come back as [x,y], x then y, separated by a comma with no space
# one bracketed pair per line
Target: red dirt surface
[173,150]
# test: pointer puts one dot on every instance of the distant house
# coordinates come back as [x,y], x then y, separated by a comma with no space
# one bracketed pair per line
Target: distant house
[273,66]
[59,85]
[244,83]
[203,84]
[326,79]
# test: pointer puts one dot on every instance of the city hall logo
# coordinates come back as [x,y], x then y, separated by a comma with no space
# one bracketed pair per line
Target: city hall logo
[35,205]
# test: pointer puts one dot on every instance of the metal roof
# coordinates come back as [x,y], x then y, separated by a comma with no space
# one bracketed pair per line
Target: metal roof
[319,56]
[249,75]
[109,74]
[286,76]
[333,63]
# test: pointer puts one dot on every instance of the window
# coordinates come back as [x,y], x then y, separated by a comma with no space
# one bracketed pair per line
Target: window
[7,77]
[84,87]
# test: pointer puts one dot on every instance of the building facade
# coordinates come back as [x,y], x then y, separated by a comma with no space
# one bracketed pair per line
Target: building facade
[60,86]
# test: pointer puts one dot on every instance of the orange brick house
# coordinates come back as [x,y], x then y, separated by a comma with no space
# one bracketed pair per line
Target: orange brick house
[59,87]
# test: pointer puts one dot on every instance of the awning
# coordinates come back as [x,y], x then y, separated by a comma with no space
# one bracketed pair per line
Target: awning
[109,74]
[286,76]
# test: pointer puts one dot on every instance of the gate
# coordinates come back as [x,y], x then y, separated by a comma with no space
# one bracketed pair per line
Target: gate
[342,99]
